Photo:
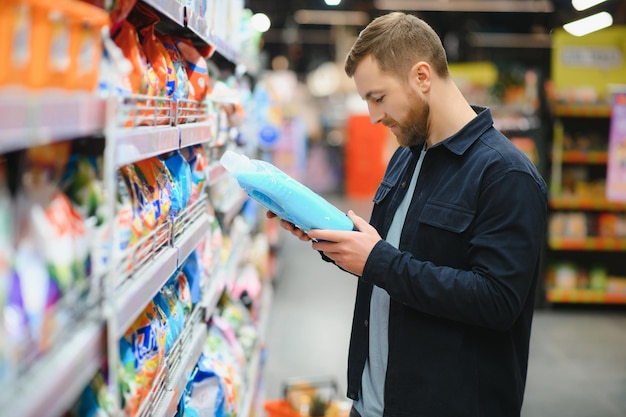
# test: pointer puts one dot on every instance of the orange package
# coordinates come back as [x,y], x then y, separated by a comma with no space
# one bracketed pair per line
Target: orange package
[197,69]
[160,61]
[142,79]
[51,44]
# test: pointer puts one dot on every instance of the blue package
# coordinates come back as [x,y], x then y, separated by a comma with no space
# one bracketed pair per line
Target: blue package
[283,195]
[194,272]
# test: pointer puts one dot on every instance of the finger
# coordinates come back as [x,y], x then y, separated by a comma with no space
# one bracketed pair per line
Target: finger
[328,235]
[359,222]
[270,215]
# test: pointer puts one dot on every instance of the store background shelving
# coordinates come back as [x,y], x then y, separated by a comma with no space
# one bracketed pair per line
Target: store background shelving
[584,244]
[30,119]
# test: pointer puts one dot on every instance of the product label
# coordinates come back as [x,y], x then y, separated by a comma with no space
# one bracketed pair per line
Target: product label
[592,57]
[86,51]
[21,37]
[59,42]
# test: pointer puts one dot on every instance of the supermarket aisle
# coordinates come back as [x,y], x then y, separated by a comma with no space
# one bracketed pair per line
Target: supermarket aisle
[578,358]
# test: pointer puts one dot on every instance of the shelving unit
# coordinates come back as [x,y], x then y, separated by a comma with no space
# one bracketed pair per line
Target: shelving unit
[584,243]
[50,384]
[578,244]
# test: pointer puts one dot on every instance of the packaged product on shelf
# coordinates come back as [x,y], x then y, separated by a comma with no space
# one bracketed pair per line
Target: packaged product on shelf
[211,393]
[118,10]
[181,181]
[183,292]
[182,81]
[145,200]
[82,184]
[283,195]
[194,272]
[50,44]
[94,400]
[61,229]
[198,163]
[142,354]
[141,79]
[197,69]
[155,178]
[169,326]
[160,61]
[234,312]
[127,195]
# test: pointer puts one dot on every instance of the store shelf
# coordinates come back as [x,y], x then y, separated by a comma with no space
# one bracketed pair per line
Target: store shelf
[178,375]
[191,237]
[253,372]
[50,387]
[582,110]
[144,283]
[203,30]
[28,119]
[195,133]
[578,203]
[585,157]
[584,296]
[588,244]
[136,144]
[132,298]
[172,9]
[213,292]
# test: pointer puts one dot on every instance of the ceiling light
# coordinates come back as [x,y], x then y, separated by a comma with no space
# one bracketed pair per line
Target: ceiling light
[589,24]
[581,5]
[260,22]
[332,2]
[508,6]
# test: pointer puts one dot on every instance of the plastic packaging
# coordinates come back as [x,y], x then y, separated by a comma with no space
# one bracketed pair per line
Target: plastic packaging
[283,195]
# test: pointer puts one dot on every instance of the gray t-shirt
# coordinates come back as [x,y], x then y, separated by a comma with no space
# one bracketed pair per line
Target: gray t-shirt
[371,402]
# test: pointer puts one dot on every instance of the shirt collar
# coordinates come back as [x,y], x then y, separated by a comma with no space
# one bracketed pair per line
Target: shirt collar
[464,138]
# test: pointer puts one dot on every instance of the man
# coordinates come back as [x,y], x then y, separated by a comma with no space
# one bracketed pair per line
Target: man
[449,263]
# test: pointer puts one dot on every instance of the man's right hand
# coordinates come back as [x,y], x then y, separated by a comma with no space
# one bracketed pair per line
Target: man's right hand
[290,227]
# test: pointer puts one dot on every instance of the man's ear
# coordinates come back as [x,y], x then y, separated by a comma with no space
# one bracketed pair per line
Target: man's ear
[420,76]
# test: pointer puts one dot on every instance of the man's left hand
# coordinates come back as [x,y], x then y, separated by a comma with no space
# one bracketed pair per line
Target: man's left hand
[349,250]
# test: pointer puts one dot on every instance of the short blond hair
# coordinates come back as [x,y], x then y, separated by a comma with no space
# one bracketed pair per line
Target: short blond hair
[397,41]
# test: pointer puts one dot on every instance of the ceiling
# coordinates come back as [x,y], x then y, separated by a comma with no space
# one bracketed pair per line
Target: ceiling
[467,35]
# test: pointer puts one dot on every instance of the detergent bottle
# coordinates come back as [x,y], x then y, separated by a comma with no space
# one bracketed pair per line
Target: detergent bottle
[283,195]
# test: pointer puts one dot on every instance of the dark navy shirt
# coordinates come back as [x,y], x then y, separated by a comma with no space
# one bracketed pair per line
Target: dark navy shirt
[462,282]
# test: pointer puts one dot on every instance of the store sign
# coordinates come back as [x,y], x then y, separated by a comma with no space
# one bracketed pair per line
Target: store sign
[592,57]
[616,167]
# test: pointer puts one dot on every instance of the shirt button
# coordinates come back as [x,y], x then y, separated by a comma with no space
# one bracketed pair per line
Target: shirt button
[366,323]
[403,185]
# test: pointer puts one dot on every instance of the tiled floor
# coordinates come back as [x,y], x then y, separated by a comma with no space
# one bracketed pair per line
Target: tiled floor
[578,357]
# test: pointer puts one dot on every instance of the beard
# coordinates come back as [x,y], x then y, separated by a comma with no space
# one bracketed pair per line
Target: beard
[414,130]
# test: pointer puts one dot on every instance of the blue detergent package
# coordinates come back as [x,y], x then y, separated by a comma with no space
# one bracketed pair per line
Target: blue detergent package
[283,195]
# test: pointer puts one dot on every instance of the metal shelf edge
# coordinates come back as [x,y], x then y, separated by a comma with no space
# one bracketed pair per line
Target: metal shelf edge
[143,288]
[180,376]
[190,239]
[50,118]
[57,381]
[195,133]
[172,9]
[135,144]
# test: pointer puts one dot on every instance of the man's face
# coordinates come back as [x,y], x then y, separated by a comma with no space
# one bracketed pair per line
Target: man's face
[393,103]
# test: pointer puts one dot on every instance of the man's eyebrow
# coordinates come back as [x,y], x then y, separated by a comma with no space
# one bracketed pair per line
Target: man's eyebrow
[370,94]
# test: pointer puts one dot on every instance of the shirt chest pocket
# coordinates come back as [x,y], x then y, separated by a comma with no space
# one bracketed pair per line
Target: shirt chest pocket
[383,191]
[443,233]
[446,216]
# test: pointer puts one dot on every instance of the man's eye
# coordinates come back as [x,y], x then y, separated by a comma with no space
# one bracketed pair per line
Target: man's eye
[379,100]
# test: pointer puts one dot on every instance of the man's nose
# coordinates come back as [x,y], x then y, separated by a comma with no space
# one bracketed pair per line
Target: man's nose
[376,115]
